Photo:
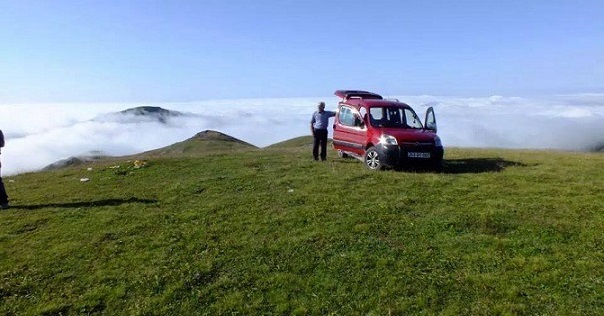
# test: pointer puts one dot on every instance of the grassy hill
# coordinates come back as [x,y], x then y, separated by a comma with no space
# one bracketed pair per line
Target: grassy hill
[270,231]
[202,143]
[302,141]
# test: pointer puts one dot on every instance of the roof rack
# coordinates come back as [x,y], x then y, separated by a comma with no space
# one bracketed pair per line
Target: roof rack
[357,94]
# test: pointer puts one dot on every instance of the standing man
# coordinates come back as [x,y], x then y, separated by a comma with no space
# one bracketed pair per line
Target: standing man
[3,196]
[318,128]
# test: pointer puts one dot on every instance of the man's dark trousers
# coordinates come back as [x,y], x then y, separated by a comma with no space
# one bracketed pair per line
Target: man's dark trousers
[320,139]
[3,196]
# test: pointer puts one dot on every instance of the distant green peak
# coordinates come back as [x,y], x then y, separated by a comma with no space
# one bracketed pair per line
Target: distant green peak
[213,135]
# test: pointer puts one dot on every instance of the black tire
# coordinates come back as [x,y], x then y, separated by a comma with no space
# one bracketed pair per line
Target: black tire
[438,166]
[372,159]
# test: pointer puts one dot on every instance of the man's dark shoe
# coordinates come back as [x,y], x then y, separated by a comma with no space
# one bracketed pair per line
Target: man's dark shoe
[4,206]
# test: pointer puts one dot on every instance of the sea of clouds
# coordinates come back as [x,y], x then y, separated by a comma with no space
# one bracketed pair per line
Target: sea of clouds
[40,134]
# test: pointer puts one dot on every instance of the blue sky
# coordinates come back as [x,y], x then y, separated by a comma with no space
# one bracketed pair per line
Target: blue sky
[177,51]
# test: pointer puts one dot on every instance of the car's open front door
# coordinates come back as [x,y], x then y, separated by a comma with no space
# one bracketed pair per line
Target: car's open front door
[430,122]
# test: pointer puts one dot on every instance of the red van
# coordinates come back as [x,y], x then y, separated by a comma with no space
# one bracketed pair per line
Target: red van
[384,133]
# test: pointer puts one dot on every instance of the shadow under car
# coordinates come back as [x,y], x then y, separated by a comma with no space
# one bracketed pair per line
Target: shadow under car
[478,165]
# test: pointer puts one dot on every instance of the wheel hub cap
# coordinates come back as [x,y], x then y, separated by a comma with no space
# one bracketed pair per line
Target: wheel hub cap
[373,160]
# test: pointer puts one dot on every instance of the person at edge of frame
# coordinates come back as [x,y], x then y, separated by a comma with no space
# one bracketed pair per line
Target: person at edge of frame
[3,195]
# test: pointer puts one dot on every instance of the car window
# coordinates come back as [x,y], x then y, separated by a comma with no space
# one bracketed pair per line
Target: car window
[346,117]
[412,120]
[386,117]
[349,117]
[375,116]
[395,117]
[392,116]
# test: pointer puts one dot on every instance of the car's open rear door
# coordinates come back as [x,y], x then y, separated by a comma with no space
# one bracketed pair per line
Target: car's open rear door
[430,121]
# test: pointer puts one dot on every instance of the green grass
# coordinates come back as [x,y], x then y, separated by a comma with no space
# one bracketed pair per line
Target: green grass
[270,231]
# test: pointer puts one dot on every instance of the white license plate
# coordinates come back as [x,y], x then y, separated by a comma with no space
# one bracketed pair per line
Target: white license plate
[412,154]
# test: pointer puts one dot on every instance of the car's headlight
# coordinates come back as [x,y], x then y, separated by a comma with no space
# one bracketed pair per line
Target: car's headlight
[388,140]
[437,142]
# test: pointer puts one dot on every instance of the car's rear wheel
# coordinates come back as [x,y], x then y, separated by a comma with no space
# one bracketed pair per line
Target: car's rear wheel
[372,159]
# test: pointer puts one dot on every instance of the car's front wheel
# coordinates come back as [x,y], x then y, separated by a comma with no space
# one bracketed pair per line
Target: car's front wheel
[372,159]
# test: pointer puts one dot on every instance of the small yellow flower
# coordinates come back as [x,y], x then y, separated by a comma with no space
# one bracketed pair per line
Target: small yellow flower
[140,164]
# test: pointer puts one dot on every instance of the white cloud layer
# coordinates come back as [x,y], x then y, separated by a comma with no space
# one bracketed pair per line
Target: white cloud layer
[40,134]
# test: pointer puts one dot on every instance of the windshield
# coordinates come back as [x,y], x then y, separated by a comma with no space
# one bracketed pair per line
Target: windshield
[394,117]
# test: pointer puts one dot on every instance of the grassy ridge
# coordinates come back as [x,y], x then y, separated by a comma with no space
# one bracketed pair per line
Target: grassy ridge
[272,232]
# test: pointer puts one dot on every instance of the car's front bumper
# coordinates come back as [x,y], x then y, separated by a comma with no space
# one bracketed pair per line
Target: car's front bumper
[398,155]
